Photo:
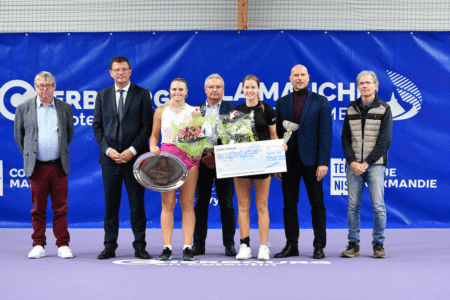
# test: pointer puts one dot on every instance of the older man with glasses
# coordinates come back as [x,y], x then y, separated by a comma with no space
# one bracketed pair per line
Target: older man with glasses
[214,106]
[43,130]
[366,138]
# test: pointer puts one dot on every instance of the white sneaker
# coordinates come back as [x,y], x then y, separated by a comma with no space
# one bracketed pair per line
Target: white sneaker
[37,252]
[244,252]
[64,252]
[264,253]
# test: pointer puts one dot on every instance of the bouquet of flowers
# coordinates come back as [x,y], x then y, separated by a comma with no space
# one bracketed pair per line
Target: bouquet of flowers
[195,136]
[237,127]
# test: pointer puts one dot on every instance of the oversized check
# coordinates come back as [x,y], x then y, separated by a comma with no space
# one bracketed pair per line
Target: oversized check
[254,158]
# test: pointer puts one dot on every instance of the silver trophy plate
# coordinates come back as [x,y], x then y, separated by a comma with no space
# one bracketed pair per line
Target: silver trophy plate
[162,173]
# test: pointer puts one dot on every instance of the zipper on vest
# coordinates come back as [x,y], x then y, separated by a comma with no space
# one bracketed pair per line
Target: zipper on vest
[362,134]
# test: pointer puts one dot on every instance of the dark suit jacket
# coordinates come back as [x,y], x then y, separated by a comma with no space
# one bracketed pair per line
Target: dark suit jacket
[315,131]
[225,108]
[26,132]
[136,123]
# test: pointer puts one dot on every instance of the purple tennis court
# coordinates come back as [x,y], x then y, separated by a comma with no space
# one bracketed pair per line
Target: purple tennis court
[417,267]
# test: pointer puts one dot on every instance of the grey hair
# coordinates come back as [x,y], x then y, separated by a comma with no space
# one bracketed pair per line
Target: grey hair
[372,73]
[215,75]
[46,76]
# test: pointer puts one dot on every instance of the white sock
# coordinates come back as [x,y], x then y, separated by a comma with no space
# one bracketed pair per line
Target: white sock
[168,246]
[187,246]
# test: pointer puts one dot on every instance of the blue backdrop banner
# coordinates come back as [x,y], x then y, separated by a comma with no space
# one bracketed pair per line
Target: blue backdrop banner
[413,69]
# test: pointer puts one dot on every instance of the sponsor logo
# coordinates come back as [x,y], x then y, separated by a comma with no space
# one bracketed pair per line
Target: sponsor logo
[225,263]
[338,181]
[12,94]
[410,101]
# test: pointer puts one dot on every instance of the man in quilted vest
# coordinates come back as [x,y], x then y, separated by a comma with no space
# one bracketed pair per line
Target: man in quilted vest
[366,138]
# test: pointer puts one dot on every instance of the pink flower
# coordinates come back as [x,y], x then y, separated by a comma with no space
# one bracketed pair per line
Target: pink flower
[181,133]
[199,132]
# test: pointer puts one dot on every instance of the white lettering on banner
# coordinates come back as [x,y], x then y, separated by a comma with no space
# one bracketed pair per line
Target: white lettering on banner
[74,98]
[405,102]
[271,94]
[214,201]
[225,263]
[341,115]
[17,173]
[322,90]
[20,182]
[1,177]
[239,94]
[89,99]
[288,88]
[161,98]
[83,120]
[411,183]
[338,177]
[352,92]
[338,180]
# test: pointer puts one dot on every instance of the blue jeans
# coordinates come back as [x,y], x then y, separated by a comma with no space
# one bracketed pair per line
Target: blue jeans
[374,177]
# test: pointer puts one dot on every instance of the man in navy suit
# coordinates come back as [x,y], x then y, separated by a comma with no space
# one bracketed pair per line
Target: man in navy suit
[307,157]
[214,106]
[122,125]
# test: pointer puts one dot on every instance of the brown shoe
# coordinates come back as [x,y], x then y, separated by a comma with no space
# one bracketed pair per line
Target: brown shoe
[352,250]
[378,251]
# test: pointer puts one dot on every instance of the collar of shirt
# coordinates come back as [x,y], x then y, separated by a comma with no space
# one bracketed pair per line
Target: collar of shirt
[39,103]
[364,105]
[216,106]
[116,88]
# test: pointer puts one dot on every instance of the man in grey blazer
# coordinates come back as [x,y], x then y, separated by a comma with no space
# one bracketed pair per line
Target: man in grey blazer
[43,130]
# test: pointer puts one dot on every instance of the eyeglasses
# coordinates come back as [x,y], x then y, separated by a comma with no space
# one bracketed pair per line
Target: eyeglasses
[214,87]
[121,70]
[365,83]
[42,87]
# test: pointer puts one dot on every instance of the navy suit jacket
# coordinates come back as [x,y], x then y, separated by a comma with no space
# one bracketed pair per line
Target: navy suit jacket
[315,131]
[136,123]
[225,108]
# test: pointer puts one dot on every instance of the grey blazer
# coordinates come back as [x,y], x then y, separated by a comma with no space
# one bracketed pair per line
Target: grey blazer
[26,132]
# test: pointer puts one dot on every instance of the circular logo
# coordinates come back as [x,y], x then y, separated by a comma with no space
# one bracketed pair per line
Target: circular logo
[410,101]
[16,98]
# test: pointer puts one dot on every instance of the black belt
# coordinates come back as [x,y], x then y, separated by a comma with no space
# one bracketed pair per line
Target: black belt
[49,162]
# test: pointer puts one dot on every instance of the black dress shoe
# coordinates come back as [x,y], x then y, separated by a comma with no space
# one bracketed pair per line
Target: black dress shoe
[141,253]
[197,250]
[287,251]
[230,251]
[318,253]
[107,253]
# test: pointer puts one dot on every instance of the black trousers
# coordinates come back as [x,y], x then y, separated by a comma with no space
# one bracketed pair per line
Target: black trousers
[113,178]
[291,188]
[225,193]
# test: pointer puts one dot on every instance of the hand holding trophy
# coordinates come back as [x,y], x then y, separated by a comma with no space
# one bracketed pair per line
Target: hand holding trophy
[290,127]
